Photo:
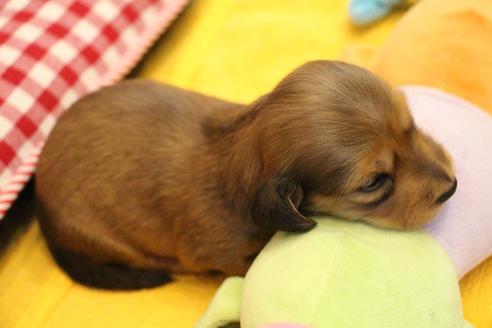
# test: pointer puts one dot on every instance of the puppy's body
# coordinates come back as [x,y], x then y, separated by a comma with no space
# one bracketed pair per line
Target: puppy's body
[138,182]
[156,178]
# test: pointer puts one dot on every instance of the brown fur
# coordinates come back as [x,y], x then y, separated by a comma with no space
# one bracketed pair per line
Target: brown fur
[154,177]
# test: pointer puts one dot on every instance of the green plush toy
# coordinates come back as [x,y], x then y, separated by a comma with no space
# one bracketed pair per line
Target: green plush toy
[343,274]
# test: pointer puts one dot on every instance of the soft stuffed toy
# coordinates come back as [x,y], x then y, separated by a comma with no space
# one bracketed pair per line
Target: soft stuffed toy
[363,12]
[445,44]
[345,274]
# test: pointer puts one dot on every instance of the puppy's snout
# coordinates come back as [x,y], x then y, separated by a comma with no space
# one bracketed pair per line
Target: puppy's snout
[447,195]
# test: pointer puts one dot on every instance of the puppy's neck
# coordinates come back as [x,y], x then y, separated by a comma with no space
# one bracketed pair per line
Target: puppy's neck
[233,140]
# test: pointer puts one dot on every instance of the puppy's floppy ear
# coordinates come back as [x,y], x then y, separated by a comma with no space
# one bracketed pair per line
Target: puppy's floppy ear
[275,207]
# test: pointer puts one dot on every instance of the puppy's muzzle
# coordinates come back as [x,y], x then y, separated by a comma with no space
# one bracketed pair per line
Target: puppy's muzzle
[447,195]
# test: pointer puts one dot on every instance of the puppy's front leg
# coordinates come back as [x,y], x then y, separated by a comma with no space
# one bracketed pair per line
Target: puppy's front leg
[207,259]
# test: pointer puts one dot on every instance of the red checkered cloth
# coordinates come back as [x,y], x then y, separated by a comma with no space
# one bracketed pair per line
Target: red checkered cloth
[54,52]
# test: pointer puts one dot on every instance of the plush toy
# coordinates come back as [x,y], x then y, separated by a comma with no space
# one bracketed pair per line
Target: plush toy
[445,44]
[363,12]
[346,274]
[343,275]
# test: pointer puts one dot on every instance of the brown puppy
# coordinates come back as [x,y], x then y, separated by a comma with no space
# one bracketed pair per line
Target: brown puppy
[141,178]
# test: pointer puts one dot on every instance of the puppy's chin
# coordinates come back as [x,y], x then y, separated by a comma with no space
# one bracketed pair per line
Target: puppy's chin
[396,222]
[405,223]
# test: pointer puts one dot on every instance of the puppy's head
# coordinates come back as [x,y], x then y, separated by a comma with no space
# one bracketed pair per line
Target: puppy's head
[335,139]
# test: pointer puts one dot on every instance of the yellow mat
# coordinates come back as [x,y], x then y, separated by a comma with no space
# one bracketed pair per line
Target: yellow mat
[232,49]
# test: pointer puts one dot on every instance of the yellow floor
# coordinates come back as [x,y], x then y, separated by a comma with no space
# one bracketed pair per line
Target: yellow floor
[232,49]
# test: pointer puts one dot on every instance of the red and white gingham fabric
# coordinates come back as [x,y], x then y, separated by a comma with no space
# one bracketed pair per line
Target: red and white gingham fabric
[52,53]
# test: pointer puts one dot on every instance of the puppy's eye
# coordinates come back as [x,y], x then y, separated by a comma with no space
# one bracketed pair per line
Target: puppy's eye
[376,182]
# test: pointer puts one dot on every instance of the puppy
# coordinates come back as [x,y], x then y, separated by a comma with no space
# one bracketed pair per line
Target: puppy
[140,179]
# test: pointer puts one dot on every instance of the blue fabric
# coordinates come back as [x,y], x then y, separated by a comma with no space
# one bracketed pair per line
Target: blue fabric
[363,12]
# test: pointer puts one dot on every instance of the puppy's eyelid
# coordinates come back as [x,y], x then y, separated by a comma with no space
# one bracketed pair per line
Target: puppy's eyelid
[376,181]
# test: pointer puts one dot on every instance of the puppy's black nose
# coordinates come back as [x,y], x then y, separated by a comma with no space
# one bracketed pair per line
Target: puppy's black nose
[447,195]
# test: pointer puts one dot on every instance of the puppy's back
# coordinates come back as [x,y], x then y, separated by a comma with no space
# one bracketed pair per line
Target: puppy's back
[112,160]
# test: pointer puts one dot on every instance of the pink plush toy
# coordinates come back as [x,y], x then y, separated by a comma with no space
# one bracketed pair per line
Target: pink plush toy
[464,227]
